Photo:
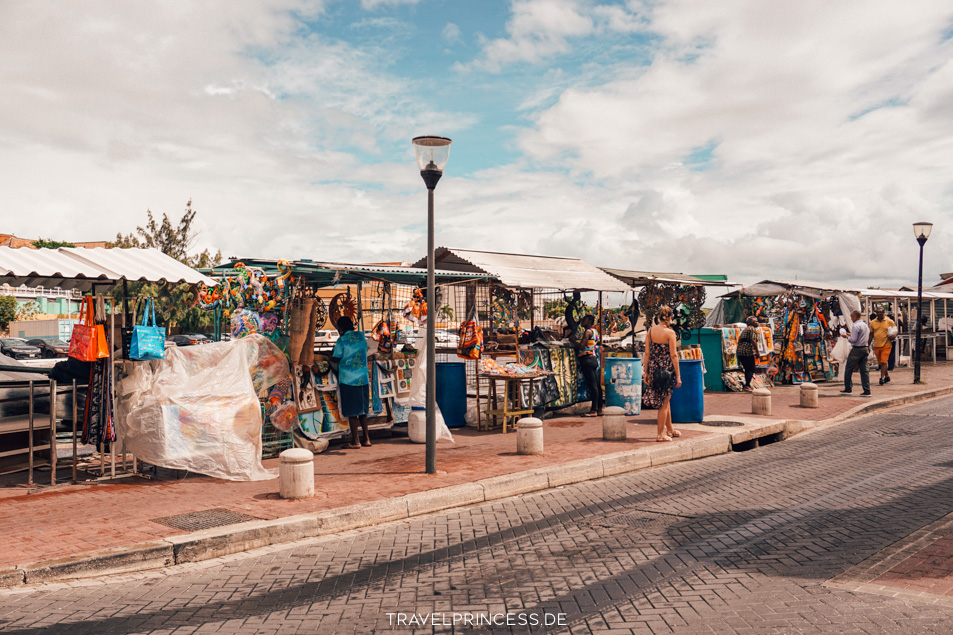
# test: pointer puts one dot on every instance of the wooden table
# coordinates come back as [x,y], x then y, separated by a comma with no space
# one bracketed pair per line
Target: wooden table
[511,399]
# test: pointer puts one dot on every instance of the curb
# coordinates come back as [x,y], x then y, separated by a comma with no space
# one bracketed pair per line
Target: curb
[222,541]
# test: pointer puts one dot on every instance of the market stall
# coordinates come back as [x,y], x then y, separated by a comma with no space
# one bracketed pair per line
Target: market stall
[522,308]
[90,410]
[799,326]
[901,305]
[289,302]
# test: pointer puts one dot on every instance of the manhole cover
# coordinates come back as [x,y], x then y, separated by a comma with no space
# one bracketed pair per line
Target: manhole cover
[723,424]
[194,521]
[647,521]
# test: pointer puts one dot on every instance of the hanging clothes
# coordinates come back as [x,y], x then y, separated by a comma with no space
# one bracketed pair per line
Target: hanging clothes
[98,423]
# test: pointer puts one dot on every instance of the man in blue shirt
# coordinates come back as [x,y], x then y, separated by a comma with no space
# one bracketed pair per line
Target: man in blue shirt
[350,360]
[859,339]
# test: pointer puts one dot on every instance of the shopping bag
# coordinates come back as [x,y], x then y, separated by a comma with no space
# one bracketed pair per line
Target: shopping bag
[88,341]
[148,340]
[470,345]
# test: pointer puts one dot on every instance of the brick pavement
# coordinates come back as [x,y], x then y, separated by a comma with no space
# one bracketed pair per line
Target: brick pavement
[84,518]
[741,543]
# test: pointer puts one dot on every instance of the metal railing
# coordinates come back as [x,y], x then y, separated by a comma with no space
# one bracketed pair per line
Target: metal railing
[24,291]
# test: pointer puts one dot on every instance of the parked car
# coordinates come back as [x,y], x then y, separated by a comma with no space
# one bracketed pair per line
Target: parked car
[325,338]
[51,348]
[189,339]
[18,348]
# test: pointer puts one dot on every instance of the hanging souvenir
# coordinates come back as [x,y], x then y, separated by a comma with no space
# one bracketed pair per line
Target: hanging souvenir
[342,305]
[470,344]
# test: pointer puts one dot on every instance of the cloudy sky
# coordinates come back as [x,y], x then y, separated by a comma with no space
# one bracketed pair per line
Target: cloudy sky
[755,138]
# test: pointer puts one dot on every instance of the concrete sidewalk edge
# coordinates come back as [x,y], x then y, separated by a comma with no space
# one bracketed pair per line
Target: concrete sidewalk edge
[213,543]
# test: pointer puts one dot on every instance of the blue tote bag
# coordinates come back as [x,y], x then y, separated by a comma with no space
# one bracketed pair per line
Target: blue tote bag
[148,340]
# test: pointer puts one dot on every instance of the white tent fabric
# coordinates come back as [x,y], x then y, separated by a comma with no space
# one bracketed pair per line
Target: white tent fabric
[78,268]
[527,272]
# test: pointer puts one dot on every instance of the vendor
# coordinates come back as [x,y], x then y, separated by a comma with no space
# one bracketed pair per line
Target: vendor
[349,359]
[587,347]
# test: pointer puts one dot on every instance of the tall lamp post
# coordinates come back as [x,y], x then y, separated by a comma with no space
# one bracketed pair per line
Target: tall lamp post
[922,232]
[432,154]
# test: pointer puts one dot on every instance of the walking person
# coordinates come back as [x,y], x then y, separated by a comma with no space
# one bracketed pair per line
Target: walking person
[588,350]
[859,340]
[748,349]
[660,372]
[349,358]
[881,336]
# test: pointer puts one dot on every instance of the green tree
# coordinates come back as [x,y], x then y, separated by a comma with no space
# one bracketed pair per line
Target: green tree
[27,311]
[42,243]
[8,311]
[175,303]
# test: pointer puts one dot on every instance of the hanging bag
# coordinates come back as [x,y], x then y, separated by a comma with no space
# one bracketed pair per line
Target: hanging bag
[148,340]
[88,341]
[470,345]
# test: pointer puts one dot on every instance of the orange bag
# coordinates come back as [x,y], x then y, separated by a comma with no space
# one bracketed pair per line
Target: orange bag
[88,341]
[470,345]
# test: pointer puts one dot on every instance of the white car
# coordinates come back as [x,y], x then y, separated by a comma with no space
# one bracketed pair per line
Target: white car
[325,338]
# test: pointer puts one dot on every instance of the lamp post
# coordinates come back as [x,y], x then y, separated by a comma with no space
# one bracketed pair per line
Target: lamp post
[922,232]
[432,154]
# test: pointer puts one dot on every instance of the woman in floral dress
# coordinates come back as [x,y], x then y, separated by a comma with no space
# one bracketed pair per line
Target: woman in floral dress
[661,355]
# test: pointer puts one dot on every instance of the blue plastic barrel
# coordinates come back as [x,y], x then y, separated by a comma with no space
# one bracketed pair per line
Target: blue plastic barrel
[451,380]
[623,378]
[688,401]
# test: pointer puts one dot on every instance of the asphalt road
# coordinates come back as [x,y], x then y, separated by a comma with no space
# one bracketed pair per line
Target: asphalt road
[742,542]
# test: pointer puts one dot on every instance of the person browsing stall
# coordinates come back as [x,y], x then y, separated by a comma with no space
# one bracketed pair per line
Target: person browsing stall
[881,336]
[748,349]
[660,371]
[587,346]
[858,339]
[349,359]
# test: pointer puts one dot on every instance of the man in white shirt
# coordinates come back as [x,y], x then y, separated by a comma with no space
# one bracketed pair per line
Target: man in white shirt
[858,339]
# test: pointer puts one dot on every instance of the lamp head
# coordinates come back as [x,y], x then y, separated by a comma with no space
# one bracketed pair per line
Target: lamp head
[432,154]
[922,231]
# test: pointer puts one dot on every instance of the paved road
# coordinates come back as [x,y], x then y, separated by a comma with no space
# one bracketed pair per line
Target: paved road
[735,543]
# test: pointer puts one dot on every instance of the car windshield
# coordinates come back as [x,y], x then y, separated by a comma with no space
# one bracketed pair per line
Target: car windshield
[13,341]
[55,342]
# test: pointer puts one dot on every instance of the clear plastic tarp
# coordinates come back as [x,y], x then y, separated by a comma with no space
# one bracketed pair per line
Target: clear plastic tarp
[198,410]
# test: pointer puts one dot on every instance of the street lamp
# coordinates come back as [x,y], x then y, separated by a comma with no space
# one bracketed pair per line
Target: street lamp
[432,154]
[922,232]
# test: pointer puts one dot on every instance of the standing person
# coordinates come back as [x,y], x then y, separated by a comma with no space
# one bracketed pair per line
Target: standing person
[588,350]
[858,339]
[880,337]
[748,350]
[660,371]
[350,360]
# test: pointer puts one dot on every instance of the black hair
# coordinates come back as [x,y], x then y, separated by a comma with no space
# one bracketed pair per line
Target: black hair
[345,323]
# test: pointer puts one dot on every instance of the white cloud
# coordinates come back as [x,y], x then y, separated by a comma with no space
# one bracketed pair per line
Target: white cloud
[370,5]
[450,33]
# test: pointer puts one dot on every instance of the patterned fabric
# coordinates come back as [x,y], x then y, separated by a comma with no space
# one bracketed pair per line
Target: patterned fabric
[661,358]
[351,349]
[591,347]
[748,342]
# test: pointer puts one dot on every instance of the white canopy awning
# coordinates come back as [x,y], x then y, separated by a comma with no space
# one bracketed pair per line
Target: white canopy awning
[79,268]
[527,272]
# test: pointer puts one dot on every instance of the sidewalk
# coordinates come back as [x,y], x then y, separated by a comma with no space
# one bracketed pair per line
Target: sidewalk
[90,529]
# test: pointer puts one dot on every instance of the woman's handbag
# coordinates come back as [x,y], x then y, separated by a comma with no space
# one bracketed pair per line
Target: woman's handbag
[662,379]
[148,340]
[88,341]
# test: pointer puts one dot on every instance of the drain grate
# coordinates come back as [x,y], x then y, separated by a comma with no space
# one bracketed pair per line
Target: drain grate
[207,519]
[723,424]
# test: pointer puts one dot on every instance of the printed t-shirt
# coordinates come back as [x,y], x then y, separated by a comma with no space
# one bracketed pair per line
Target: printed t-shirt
[879,329]
[351,349]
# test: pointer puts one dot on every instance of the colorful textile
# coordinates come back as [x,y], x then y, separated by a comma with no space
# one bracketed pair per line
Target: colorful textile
[351,349]
[591,345]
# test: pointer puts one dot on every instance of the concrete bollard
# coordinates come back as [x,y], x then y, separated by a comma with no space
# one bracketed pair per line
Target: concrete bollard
[613,424]
[296,473]
[809,395]
[529,436]
[761,401]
